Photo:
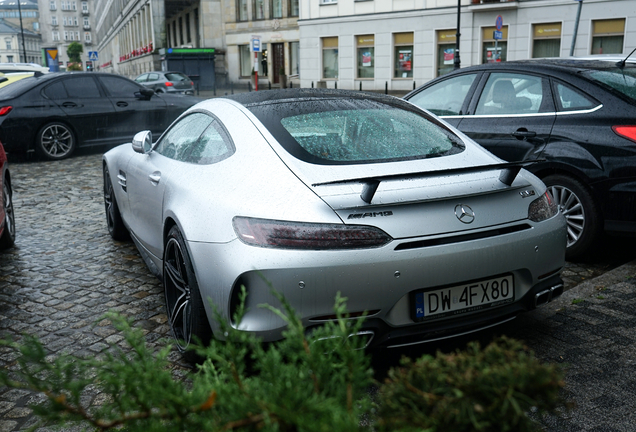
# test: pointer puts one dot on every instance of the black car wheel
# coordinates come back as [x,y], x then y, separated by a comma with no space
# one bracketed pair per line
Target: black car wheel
[186,314]
[55,141]
[116,227]
[581,215]
[8,235]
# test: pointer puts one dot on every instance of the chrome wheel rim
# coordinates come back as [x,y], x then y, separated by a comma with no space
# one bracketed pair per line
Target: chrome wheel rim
[571,207]
[177,291]
[57,141]
[108,201]
[9,217]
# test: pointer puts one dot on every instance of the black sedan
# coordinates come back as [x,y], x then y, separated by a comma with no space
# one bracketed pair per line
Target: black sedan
[576,117]
[55,113]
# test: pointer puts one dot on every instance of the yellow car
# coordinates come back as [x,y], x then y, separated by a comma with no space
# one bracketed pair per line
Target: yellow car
[8,78]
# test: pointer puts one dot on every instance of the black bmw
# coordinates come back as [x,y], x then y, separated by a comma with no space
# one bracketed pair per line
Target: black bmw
[53,114]
[577,116]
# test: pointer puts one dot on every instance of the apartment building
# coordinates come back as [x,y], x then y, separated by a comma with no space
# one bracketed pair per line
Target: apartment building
[65,21]
[398,44]
[11,48]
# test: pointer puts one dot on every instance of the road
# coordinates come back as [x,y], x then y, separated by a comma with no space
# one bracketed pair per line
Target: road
[66,271]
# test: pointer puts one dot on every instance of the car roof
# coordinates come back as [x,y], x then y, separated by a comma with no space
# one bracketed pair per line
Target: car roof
[274,96]
[563,64]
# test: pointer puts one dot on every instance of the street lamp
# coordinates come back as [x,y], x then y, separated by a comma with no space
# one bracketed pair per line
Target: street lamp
[457,35]
[22,32]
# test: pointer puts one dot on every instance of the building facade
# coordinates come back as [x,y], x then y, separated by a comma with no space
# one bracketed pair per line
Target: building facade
[398,44]
[11,48]
[10,12]
[65,21]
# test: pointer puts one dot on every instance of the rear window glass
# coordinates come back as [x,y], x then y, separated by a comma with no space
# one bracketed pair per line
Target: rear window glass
[176,77]
[622,81]
[16,88]
[346,131]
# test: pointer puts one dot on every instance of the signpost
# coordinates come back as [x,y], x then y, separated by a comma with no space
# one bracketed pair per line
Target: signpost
[256,47]
[497,35]
[92,56]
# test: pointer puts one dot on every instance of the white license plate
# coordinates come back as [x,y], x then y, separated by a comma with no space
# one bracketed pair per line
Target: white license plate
[464,298]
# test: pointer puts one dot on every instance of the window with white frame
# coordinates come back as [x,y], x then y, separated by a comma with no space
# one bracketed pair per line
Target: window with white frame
[56,35]
[73,5]
[52,5]
[87,36]
[53,20]
[65,35]
[328,1]
[75,21]
[65,21]
[86,22]
[7,41]
[84,6]
[330,57]
[77,36]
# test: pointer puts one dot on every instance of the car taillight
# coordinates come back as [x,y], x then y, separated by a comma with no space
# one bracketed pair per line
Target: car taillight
[542,208]
[311,236]
[628,132]
[191,83]
[5,110]
[169,84]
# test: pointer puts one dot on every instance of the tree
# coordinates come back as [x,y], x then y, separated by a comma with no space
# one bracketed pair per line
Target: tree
[74,52]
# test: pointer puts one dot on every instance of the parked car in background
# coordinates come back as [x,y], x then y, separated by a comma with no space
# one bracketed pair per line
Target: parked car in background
[318,191]
[8,78]
[167,82]
[578,116]
[7,217]
[22,67]
[54,113]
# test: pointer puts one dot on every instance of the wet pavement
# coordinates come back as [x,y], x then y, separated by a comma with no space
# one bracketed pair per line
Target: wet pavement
[66,271]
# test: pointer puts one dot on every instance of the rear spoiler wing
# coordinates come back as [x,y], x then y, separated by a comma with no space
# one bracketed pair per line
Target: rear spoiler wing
[509,171]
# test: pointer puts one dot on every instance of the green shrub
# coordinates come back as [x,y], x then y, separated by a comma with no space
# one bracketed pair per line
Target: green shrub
[306,382]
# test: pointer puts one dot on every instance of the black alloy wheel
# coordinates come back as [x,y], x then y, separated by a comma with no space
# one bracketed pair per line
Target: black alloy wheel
[8,235]
[581,216]
[186,314]
[55,141]
[116,227]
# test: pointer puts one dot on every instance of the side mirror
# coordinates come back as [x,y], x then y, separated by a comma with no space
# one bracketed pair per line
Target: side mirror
[142,142]
[146,93]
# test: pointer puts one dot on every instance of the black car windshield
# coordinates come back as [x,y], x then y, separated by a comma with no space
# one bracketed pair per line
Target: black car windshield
[621,80]
[346,131]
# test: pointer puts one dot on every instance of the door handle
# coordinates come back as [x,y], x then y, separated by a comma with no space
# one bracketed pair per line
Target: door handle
[155,177]
[69,105]
[122,104]
[523,133]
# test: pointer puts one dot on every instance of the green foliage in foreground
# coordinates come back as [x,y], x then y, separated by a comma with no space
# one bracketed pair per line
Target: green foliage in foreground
[306,382]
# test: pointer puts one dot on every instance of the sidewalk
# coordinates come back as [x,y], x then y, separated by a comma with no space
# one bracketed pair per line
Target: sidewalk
[591,330]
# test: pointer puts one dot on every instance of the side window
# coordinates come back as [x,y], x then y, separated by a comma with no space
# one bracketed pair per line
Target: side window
[446,97]
[506,93]
[142,78]
[213,145]
[153,77]
[119,87]
[56,91]
[81,87]
[177,143]
[569,99]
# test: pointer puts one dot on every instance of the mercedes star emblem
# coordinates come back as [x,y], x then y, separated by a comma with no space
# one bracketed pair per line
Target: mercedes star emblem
[464,213]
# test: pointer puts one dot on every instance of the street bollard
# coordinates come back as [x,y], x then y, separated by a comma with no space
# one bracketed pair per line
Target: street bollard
[386,87]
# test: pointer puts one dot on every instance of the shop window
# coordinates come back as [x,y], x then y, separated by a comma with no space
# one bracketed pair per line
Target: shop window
[446,51]
[330,58]
[403,52]
[607,36]
[258,7]
[365,58]
[494,50]
[294,48]
[546,40]
[246,60]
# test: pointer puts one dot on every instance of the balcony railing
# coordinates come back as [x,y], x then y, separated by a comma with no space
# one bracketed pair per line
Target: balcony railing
[87,27]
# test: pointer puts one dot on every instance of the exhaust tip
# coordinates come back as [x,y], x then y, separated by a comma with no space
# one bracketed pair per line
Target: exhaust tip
[542,298]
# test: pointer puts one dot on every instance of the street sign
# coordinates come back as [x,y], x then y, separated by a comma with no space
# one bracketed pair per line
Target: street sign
[256,45]
[92,55]
[499,22]
[497,35]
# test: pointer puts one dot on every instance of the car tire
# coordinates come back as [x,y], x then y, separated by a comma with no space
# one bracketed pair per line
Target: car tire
[8,235]
[186,313]
[116,227]
[160,90]
[55,141]
[581,214]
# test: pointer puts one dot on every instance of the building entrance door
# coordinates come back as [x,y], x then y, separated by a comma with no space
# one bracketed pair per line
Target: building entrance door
[278,60]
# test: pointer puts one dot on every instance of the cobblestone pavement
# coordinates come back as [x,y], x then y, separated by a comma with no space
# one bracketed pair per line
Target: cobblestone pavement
[65,272]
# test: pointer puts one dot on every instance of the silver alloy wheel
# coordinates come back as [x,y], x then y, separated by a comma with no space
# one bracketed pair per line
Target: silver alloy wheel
[178,295]
[9,217]
[108,201]
[571,207]
[56,141]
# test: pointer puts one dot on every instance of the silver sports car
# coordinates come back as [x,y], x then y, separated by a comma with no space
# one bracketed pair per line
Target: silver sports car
[314,192]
